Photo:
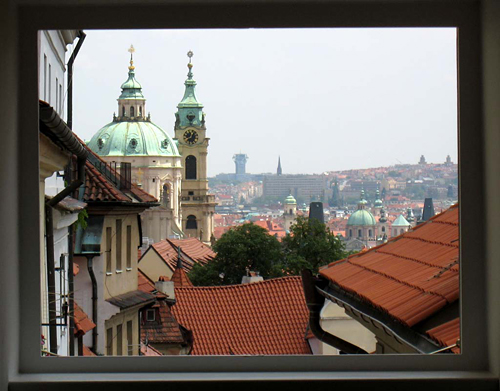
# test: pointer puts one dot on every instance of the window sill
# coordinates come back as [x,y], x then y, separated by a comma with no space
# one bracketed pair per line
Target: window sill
[129,269]
[119,271]
[109,273]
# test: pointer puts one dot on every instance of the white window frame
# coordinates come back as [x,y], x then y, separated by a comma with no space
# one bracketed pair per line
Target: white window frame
[379,371]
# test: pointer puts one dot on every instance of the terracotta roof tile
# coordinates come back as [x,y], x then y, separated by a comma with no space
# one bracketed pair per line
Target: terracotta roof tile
[268,317]
[447,334]
[192,251]
[87,352]
[411,276]
[164,329]
[180,278]
[83,323]
[144,284]
[148,350]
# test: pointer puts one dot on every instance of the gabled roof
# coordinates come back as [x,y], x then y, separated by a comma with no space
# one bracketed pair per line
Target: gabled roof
[192,251]
[268,317]
[412,276]
[180,278]
[164,329]
[144,283]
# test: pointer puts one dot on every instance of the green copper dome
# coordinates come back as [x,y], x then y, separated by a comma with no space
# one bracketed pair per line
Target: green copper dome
[361,217]
[132,133]
[290,200]
[132,138]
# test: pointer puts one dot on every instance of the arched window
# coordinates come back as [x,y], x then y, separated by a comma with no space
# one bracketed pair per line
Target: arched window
[370,233]
[291,211]
[123,111]
[191,222]
[383,229]
[131,111]
[401,231]
[140,111]
[359,233]
[190,167]
[350,233]
[165,195]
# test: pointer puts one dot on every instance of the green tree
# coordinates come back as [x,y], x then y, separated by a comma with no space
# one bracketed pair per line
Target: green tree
[247,246]
[310,245]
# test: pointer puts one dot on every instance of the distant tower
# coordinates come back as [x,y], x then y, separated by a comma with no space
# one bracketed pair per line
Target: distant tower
[377,207]
[428,211]
[240,161]
[316,212]
[290,211]
[422,160]
[400,226]
[448,160]
[279,171]
[409,216]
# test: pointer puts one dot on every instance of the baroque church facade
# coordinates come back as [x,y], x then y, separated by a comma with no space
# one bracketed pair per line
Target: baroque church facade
[174,170]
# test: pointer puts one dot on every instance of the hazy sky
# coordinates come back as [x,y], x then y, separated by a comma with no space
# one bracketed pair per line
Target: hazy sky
[323,99]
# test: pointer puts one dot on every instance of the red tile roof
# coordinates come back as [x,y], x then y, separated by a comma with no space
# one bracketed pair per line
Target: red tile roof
[268,317]
[148,350]
[180,278]
[144,284]
[192,251]
[447,334]
[164,329]
[87,352]
[83,323]
[411,276]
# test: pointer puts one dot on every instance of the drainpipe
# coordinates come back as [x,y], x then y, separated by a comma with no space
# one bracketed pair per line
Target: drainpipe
[315,303]
[81,36]
[90,259]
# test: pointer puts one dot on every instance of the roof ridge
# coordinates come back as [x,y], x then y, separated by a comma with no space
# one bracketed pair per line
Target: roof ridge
[397,280]
[243,286]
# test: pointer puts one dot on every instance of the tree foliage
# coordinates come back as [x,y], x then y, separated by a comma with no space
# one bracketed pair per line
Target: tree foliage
[310,245]
[244,247]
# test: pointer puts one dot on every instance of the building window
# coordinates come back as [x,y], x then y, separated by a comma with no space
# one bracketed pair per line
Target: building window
[190,167]
[370,233]
[359,233]
[383,229]
[350,233]
[130,344]
[140,111]
[118,244]
[108,249]
[109,342]
[401,231]
[131,111]
[190,193]
[119,340]
[129,247]
[123,111]
[150,315]
[191,222]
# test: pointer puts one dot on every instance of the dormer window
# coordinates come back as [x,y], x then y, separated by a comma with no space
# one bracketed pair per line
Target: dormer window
[100,143]
[150,315]
[133,143]
[164,144]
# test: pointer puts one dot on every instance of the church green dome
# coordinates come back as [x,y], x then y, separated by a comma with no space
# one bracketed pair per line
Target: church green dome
[132,138]
[132,133]
[361,217]
[290,200]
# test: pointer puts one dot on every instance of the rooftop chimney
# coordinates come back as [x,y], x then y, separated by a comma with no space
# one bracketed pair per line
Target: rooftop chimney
[167,288]
[251,277]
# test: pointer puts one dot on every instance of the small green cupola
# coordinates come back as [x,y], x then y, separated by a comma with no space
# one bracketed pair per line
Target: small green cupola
[362,201]
[190,111]
[378,201]
[131,102]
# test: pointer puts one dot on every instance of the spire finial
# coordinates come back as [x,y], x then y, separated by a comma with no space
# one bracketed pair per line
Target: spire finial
[131,50]
[190,54]
[179,259]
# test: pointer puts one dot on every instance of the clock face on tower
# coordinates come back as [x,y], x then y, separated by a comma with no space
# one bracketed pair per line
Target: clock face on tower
[190,137]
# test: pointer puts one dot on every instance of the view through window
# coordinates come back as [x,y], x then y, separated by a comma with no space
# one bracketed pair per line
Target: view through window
[207,169]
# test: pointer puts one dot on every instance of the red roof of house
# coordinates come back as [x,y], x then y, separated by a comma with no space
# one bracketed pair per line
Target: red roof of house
[99,188]
[268,317]
[192,251]
[164,329]
[180,278]
[411,276]
[447,334]
[144,283]
[82,322]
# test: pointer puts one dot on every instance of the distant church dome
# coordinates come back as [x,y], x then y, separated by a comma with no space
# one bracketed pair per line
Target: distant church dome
[362,217]
[132,133]
[290,200]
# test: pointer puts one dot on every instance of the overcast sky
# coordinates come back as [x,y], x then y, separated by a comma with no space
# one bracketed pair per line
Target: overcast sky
[322,99]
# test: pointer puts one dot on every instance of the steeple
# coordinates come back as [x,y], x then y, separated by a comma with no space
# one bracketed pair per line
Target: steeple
[362,202]
[190,111]
[279,171]
[131,102]
[378,201]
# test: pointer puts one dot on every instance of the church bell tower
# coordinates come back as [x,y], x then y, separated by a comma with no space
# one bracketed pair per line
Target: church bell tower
[198,207]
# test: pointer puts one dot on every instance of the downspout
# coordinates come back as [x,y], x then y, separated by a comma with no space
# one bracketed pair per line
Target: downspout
[81,36]
[90,268]
[315,303]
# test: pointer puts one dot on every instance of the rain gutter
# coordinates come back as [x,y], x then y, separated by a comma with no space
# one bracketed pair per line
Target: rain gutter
[315,303]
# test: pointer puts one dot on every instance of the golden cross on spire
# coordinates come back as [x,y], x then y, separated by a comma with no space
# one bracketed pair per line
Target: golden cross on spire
[190,54]
[131,50]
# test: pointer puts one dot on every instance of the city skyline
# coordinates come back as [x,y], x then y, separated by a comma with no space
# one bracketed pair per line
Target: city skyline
[322,99]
